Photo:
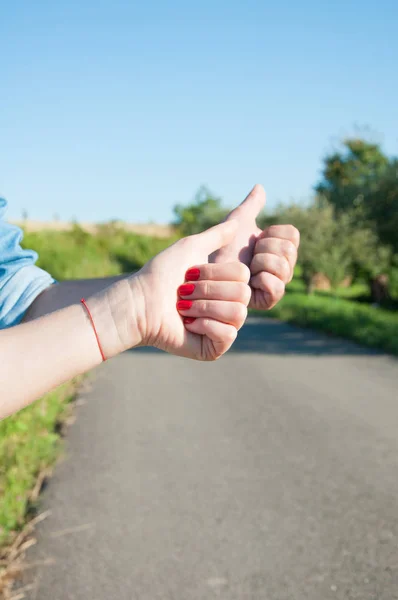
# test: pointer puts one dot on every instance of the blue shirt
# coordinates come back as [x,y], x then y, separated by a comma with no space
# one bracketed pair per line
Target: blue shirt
[20,280]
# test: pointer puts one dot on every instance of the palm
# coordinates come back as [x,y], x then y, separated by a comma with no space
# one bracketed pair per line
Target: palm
[165,328]
[160,279]
[242,247]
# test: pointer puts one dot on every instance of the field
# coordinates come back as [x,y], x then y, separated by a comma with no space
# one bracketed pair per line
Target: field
[148,229]
[75,253]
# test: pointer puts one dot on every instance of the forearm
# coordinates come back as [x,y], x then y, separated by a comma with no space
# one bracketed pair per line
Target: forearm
[66,293]
[38,356]
[41,354]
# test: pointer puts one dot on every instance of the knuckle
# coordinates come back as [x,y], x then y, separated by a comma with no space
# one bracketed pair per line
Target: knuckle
[295,235]
[245,293]
[277,290]
[243,273]
[272,231]
[255,264]
[204,307]
[288,231]
[261,246]
[273,287]
[232,333]
[291,272]
[263,280]
[186,242]
[240,314]
[289,249]
[285,270]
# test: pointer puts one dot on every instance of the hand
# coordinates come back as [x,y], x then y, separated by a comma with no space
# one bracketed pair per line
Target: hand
[271,254]
[146,312]
[218,300]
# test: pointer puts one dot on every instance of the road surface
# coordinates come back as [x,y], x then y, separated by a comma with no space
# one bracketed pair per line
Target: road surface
[271,474]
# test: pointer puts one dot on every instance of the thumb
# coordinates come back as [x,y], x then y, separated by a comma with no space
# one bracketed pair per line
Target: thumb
[252,205]
[218,236]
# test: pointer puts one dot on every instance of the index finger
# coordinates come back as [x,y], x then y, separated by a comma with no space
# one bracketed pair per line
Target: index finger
[234,271]
[283,232]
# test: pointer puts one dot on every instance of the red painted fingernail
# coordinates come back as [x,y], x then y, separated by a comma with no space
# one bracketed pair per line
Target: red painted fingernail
[192,274]
[189,320]
[184,304]
[186,289]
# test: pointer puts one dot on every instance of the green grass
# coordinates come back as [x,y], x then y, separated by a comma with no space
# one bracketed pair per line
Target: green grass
[29,442]
[77,254]
[354,291]
[367,325]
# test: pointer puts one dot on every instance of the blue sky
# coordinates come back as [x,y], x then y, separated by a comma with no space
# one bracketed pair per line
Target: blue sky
[119,109]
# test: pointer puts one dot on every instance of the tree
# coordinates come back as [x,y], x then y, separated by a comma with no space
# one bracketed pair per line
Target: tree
[333,245]
[349,175]
[205,211]
[362,181]
[382,206]
[319,252]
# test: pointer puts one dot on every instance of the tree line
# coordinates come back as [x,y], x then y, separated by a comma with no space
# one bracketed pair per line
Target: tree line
[349,228]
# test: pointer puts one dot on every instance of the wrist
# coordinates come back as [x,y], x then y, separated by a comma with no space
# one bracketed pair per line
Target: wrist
[118,316]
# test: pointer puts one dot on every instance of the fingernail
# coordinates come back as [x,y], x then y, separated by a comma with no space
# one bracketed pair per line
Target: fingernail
[186,289]
[189,320]
[192,274]
[184,304]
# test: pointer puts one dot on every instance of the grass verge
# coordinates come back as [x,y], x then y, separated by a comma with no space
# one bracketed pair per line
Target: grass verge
[367,325]
[30,442]
[29,445]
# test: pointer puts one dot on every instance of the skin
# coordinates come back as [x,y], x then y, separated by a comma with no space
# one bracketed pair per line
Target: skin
[271,254]
[138,310]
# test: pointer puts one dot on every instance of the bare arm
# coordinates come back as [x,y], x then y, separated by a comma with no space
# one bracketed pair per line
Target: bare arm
[39,355]
[53,345]
[66,293]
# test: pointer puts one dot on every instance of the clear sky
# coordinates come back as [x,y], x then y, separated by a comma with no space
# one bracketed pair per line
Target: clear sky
[120,109]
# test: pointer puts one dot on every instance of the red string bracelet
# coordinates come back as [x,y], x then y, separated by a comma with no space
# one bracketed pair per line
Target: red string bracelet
[95,330]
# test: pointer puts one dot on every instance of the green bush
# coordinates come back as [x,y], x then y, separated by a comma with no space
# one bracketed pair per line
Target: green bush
[364,324]
[205,211]
[393,275]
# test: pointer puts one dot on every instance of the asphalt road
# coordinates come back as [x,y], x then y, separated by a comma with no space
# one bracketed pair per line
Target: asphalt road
[271,474]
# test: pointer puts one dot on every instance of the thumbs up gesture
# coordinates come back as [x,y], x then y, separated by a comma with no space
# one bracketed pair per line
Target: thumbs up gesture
[182,304]
[271,254]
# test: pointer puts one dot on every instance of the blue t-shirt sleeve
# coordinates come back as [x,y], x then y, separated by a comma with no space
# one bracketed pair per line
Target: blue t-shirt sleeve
[20,280]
